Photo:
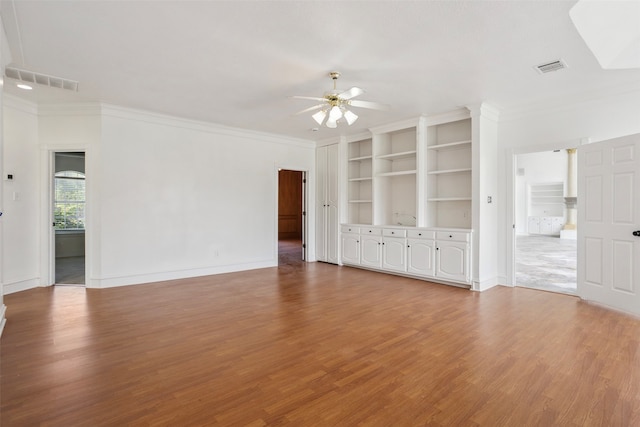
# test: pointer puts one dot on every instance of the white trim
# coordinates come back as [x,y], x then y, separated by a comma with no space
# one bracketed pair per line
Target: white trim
[3,320]
[451,116]
[137,279]
[20,285]
[19,104]
[305,207]
[395,126]
[483,285]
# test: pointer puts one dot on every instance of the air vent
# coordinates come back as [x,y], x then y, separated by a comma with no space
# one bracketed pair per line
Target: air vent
[39,78]
[551,66]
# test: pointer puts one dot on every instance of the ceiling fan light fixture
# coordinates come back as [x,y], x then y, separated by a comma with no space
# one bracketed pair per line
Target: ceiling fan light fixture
[319,116]
[350,117]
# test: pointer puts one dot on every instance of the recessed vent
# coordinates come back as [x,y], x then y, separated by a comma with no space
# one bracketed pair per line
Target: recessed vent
[41,79]
[551,66]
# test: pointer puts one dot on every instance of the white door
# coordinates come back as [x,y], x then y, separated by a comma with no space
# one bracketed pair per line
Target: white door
[332,204]
[394,254]
[321,204]
[370,249]
[350,248]
[421,256]
[608,217]
[452,261]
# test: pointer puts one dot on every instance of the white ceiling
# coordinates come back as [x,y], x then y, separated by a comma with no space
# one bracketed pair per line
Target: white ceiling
[236,62]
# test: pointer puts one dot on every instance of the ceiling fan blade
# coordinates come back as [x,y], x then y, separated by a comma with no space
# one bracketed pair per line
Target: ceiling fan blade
[369,104]
[315,107]
[314,98]
[351,93]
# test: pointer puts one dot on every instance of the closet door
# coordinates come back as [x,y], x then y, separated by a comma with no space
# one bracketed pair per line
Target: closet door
[327,204]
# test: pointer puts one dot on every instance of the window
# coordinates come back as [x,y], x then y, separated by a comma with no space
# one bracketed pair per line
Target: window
[69,200]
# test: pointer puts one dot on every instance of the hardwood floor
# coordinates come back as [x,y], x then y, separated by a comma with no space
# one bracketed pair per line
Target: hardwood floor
[315,345]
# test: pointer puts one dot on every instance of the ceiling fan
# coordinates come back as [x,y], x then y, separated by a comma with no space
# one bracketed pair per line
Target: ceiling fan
[333,105]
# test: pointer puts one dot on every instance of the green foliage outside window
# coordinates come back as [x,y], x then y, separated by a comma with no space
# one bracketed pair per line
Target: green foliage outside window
[69,201]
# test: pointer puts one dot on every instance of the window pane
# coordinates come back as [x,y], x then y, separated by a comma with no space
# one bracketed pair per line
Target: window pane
[69,200]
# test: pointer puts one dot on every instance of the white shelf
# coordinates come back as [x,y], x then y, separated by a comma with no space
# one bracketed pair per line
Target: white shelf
[439,172]
[449,199]
[359,159]
[366,178]
[398,173]
[450,145]
[398,156]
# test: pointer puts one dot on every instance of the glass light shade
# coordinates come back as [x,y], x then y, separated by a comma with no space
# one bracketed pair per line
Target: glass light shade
[331,123]
[319,116]
[350,117]
[335,113]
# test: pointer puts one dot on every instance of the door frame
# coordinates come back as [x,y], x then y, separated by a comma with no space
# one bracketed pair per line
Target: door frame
[305,209]
[48,257]
[510,220]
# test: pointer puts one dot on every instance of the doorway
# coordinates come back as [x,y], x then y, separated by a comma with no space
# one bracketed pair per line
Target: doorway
[291,216]
[545,238]
[68,207]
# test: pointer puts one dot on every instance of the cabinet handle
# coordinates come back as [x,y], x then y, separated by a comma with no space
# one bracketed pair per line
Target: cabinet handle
[393,232]
[450,236]
[636,233]
[419,234]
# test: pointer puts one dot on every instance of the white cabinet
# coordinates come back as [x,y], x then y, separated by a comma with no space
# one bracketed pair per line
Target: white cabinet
[452,261]
[371,250]
[421,255]
[434,254]
[452,256]
[394,255]
[351,248]
[327,204]
[546,225]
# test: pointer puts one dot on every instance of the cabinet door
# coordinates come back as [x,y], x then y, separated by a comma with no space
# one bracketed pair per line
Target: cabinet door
[351,248]
[421,255]
[332,204]
[545,225]
[371,249]
[452,261]
[394,254]
[533,226]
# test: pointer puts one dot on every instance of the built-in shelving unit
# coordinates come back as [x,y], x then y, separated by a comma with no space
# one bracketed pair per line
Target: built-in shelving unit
[547,199]
[448,168]
[395,168]
[360,179]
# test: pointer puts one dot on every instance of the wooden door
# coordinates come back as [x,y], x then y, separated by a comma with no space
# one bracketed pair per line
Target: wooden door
[609,223]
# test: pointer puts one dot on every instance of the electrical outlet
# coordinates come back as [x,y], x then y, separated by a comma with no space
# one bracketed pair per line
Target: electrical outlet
[489,199]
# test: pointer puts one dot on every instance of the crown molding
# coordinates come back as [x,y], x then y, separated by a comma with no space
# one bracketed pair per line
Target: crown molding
[16,103]
[116,111]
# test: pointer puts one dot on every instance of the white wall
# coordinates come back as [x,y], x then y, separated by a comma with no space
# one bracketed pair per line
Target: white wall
[566,126]
[166,198]
[541,167]
[21,240]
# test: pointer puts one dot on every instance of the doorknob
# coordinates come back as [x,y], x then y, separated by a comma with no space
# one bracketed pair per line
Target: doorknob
[636,233]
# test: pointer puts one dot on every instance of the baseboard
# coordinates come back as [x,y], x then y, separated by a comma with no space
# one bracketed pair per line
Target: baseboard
[112,282]
[481,286]
[22,285]
[3,320]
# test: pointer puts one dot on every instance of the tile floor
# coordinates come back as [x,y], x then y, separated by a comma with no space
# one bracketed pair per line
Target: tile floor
[547,263]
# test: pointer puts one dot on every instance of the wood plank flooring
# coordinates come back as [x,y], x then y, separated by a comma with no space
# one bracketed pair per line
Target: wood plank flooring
[315,345]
